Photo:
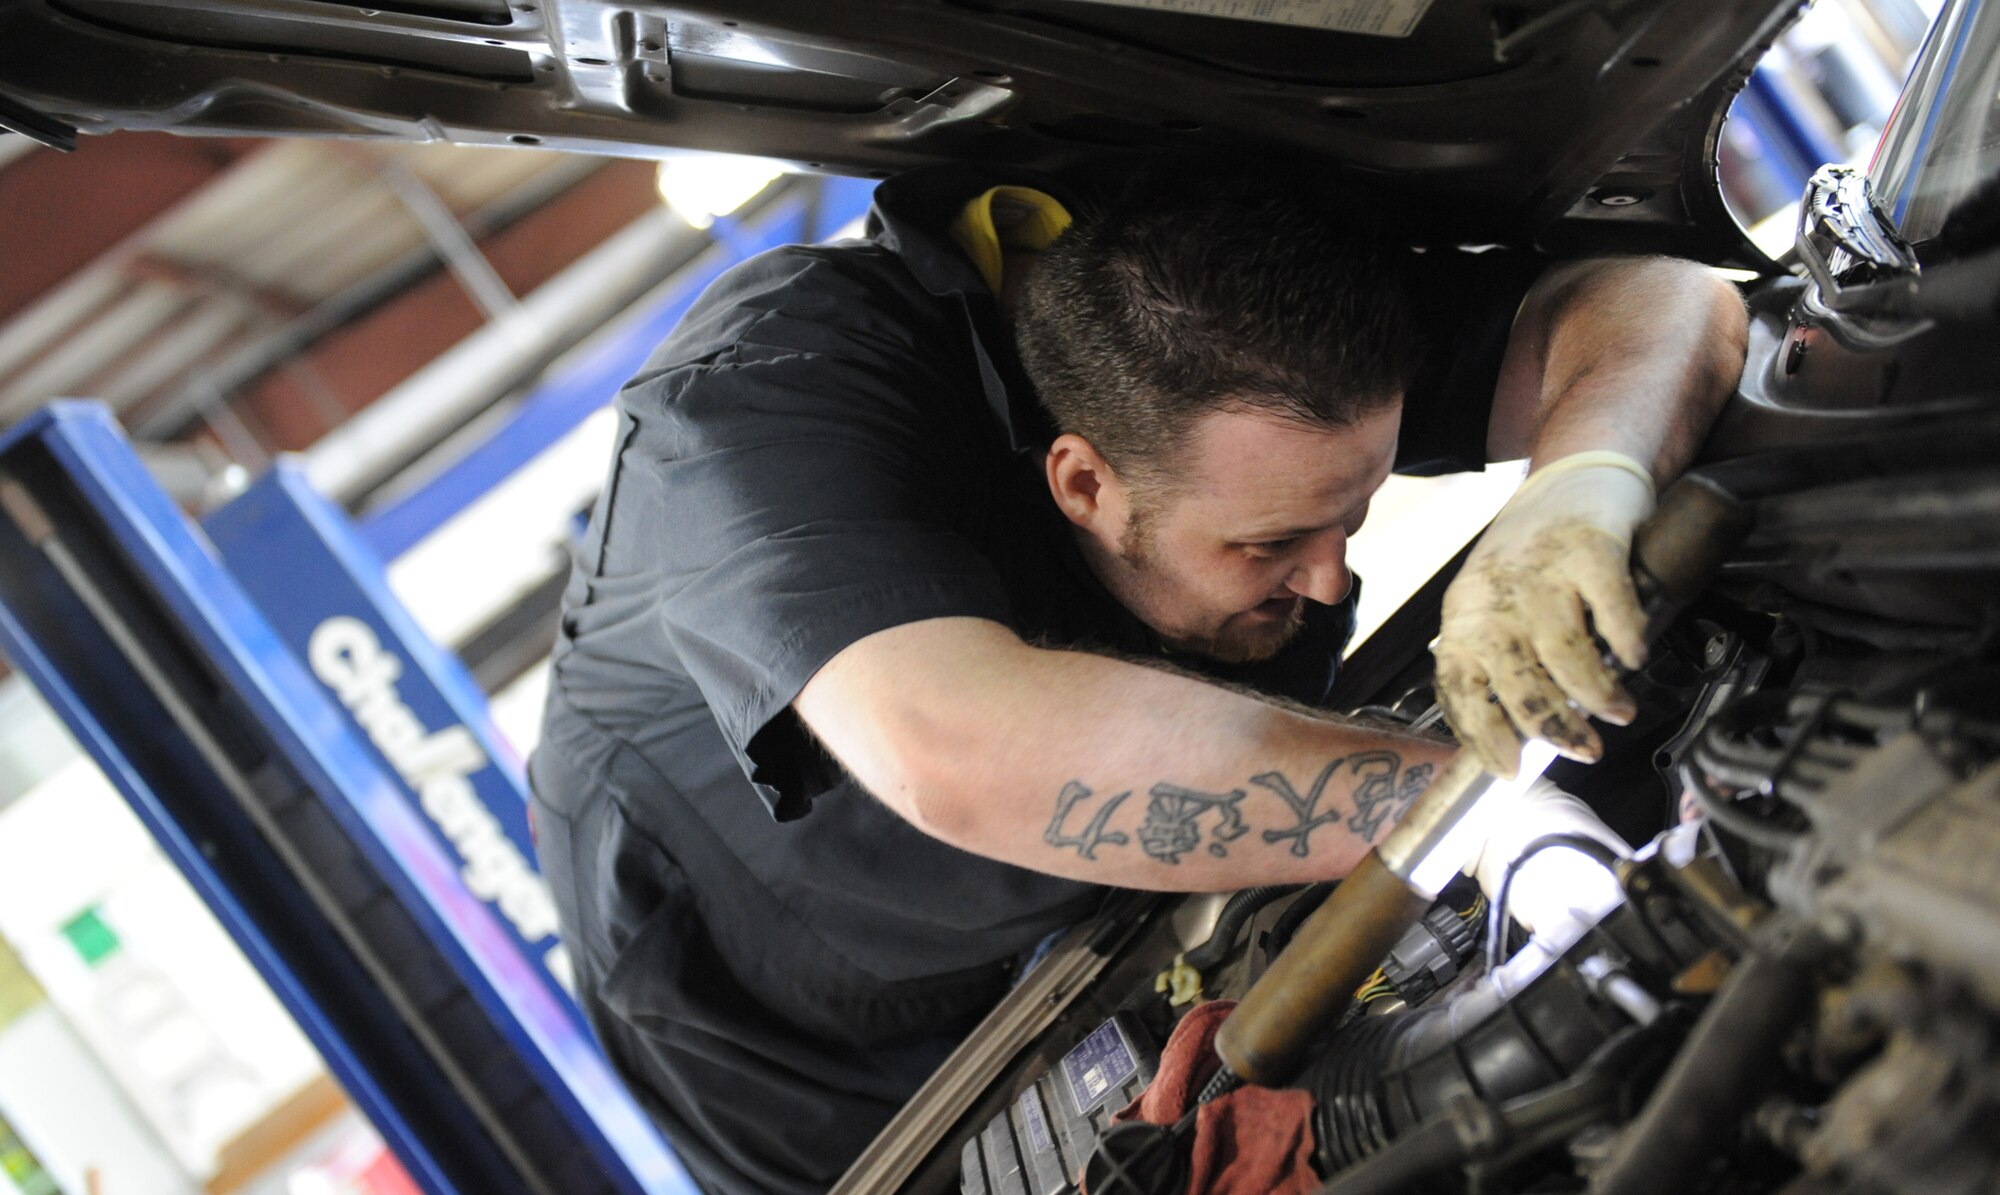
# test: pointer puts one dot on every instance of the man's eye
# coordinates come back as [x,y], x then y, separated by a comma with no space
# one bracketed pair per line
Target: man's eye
[1272,547]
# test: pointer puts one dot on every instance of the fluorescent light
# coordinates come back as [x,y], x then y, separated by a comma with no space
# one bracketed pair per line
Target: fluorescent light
[1462,842]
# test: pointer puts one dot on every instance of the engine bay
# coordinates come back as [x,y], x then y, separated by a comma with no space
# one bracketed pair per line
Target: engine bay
[1792,983]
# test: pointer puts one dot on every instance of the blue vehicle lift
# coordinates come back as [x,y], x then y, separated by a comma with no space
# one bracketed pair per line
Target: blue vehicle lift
[328,781]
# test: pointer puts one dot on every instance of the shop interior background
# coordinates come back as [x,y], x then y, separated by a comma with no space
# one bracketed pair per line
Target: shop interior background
[390,314]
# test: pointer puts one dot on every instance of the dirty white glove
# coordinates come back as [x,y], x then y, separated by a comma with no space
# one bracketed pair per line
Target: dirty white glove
[1514,617]
[1558,892]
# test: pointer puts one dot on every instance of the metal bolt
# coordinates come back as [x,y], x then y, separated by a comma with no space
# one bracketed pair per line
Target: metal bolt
[1715,652]
[1838,927]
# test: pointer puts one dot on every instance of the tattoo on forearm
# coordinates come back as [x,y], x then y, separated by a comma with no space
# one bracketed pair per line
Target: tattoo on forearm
[1305,808]
[1177,820]
[1415,781]
[1173,822]
[1094,834]
[1375,795]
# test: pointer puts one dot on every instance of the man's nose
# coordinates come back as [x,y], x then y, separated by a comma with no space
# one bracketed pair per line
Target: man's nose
[1320,572]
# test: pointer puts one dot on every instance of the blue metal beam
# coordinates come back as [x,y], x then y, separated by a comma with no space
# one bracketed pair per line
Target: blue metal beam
[296,833]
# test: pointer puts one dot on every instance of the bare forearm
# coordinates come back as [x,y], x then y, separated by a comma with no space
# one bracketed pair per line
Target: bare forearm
[1095,769]
[1635,355]
[1188,787]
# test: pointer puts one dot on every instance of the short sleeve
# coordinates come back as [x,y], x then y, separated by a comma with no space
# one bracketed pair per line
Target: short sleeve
[1465,303]
[793,493]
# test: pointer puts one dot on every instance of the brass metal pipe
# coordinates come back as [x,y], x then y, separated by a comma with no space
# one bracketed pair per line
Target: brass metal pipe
[1264,1041]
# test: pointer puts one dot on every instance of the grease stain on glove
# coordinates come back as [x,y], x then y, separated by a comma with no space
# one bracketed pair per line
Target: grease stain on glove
[1516,657]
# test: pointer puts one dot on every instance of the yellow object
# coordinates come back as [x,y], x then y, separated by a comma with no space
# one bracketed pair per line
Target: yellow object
[1181,982]
[1007,218]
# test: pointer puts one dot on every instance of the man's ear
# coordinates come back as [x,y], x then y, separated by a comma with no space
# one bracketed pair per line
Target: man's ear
[1086,488]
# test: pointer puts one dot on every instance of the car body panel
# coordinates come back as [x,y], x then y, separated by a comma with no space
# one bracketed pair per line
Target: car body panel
[1584,126]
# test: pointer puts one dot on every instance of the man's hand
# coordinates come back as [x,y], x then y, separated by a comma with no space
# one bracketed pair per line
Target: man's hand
[1614,370]
[1514,620]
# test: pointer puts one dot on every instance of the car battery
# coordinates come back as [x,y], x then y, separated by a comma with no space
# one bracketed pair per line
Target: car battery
[1039,1144]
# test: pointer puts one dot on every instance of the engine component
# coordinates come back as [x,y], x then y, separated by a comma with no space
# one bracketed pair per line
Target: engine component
[1431,954]
[1305,905]
[1526,1027]
[1040,1142]
[1885,820]
[1474,1132]
[1310,984]
[1138,1159]
[1718,1076]
[1902,861]
[1919,1117]
[1223,941]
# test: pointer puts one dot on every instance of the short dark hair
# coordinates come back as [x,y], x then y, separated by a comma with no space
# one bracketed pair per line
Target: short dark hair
[1201,285]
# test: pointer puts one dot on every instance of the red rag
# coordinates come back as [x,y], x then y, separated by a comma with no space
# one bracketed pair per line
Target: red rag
[1253,1141]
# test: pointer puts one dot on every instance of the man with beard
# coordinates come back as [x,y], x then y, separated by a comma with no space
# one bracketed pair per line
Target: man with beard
[947,577]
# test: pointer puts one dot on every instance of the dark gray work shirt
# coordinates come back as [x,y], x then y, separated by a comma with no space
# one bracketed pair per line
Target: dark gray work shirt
[836,440]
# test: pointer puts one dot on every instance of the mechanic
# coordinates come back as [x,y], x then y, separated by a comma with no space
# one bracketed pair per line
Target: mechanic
[891,645]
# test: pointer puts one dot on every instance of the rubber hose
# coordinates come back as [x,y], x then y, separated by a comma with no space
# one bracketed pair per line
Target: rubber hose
[1725,1066]
[1305,906]
[1385,1076]
[1236,914]
[1429,1149]
[1463,1134]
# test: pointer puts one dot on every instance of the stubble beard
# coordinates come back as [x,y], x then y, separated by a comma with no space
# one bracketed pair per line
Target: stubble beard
[1241,643]
[1244,644]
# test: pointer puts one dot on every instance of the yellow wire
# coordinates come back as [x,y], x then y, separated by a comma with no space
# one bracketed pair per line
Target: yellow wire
[1377,986]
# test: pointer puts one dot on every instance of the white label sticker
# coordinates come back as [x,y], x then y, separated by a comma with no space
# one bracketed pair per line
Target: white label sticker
[1381,18]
